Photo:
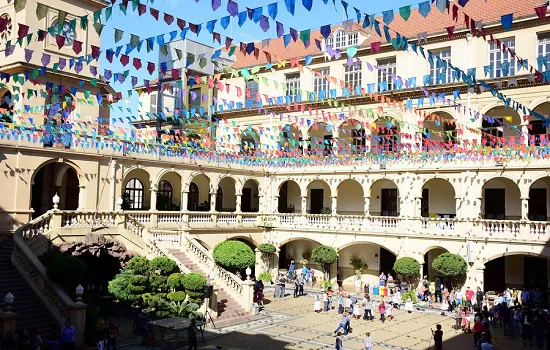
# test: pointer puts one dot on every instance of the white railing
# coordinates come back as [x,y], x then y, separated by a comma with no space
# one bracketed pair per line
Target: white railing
[226,218]
[53,296]
[248,219]
[165,236]
[200,218]
[539,228]
[87,219]
[383,223]
[143,217]
[439,225]
[350,222]
[498,227]
[317,220]
[170,218]
[289,219]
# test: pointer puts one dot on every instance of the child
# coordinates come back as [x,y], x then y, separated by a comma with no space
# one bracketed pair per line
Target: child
[348,304]
[325,302]
[444,307]
[339,342]
[317,303]
[340,303]
[382,311]
[368,342]
[430,301]
[356,311]
[438,337]
[409,305]
[389,311]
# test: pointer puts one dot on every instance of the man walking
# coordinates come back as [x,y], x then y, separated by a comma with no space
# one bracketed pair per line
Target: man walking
[479,298]
[469,296]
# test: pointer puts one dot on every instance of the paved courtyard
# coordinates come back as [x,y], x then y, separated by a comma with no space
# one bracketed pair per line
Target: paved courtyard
[292,324]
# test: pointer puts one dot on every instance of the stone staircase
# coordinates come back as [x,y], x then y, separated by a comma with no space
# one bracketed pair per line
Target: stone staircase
[229,310]
[31,312]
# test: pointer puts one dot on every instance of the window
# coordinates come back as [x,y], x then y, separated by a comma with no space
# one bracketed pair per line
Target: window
[164,196]
[293,86]
[195,103]
[352,75]
[252,89]
[134,193]
[543,43]
[320,82]
[153,103]
[65,30]
[341,39]
[491,129]
[358,140]
[193,197]
[503,64]
[440,73]
[388,68]
[249,144]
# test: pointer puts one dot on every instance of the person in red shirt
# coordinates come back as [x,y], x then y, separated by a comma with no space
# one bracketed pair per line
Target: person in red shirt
[469,295]
[478,329]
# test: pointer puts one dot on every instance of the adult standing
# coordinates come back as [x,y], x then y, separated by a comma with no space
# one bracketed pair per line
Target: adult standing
[296,287]
[291,270]
[382,279]
[458,298]
[469,296]
[525,296]
[479,298]
[367,305]
[68,336]
[438,287]
[302,281]
[192,335]
[112,333]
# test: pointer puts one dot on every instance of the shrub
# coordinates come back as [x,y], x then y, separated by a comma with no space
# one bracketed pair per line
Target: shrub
[175,281]
[265,276]
[408,268]
[139,265]
[194,282]
[195,297]
[184,309]
[163,265]
[267,248]
[234,255]
[176,296]
[408,294]
[325,256]
[451,265]
[120,287]
[66,270]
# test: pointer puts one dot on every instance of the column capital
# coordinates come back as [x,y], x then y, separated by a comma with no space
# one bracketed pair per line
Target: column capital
[524,198]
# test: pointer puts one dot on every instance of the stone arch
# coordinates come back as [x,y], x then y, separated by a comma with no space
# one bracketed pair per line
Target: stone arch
[429,255]
[321,137]
[250,140]
[250,195]
[536,103]
[290,197]
[226,199]
[493,130]
[384,200]
[440,126]
[290,138]
[501,198]
[376,256]
[294,249]
[439,194]
[319,196]
[164,200]
[350,197]
[385,133]
[129,195]
[538,198]
[70,163]
[199,193]
[352,135]
[193,176]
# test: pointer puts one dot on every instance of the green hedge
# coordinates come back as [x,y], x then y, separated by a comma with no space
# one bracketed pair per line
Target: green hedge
[267,248]
[176,296]
[234,255]
[265,276]
[175,280]
[194,282]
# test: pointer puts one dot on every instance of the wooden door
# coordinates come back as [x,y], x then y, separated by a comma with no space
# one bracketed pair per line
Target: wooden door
[495,203]
[316,201]
[246,200]
[389,202]
[537,204]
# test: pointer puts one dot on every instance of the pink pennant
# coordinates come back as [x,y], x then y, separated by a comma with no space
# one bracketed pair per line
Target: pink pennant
[23,31]
[77,46]
[137,63]
[154,13]
[168,18]
[60,40]
[451,32]
[541,11]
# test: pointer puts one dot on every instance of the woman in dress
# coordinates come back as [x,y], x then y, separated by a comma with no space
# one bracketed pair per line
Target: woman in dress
[444,307]
[409,305]
[356,310]
[382,310]
[389,311]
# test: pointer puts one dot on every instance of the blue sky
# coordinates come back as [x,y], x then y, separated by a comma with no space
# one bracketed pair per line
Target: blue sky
[201,12]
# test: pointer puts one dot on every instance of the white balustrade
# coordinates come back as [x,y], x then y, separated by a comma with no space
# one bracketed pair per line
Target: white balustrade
[170,218]
[439,225]
[248,218]
[87,219]
[200,218]
[539,228]
[226,218]
[349,222]
[318,220]
[497,227]
[383,223]
[289,219]
[141,216]
[165,236]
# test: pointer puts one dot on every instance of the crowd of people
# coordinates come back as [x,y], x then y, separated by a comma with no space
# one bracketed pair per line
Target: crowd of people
[63,338]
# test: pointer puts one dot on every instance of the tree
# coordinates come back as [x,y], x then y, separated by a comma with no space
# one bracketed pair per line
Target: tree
[451,265]
[175,281]
[235,256]
[325,256]
[408,268]
[194,284]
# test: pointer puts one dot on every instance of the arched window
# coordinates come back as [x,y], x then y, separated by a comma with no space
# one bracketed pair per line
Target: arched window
[249,144]
[193,197]
[164,195]
[134,193]
[341,39]
[219,199]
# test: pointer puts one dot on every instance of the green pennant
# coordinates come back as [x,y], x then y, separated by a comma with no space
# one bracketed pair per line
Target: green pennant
[41,11]
[98,28]
[164,50]
[255,69]
[135,4]
[86,94]
[72,24]
[202,62]
[97,16]
[19,5]
[61,16]
[204,79]
[108,13]
[20,42]
[405,12]
[123,8]
[126,73]
[118,35]
[15,77]
[180,84]
[55,67]
[304,35]
[84,22]
[134,41]
[190,58]
[179,54]
[52,31]
[264,80]
[232,51]
[35,73]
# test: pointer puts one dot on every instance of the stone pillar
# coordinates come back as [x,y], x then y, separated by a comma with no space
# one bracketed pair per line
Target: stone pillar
[8,322]
[213,201]
[524,208]
[81,197]
[213,304]
[304,204]
[458,205]
[153,198]
[479,209]
[366,205]
[275,264]
[248,294]
[421,274]
[334,204]
[417,207]
[78,320]
[239,201]
[183,200]
[276,206]
[262,205]
[475,277]
[260,264]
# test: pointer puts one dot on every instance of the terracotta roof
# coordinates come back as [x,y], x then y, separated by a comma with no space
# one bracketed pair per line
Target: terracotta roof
[436,22]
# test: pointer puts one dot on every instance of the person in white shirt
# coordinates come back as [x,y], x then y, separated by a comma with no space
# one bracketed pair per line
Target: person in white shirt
[409,305]
[458,298]
[396,299]
[368,342]
[348,304]
[367,305]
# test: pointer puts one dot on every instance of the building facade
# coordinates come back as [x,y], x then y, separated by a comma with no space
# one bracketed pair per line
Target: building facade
[353,193]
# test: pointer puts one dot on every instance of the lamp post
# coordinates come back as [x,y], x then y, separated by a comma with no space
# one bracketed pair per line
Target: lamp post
[8,300]
[79,291]
[248,271]
[212,276]
[55,201]
[119,203]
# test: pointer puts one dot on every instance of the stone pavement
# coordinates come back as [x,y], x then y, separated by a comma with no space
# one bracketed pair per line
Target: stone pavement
[292,324]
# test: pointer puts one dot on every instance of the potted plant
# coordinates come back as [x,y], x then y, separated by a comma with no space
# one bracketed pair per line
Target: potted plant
[326,211]
[306,257]
[359,267]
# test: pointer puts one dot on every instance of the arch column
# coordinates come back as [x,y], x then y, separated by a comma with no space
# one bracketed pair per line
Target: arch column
[366,205]
[81,197]
[238,202]
[276,206]
[417,207]
[153,197]
[183,200]
[213,201]
[334,204]
[475,277]
[262,203]
[304,204]
[524,208]
[458,202]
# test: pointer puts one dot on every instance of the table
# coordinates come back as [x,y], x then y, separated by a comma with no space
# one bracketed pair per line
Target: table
[176,325]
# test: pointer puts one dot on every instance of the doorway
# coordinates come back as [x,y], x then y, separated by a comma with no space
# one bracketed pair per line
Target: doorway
[425,203]
[388,205]
[283,198]
[387,260]
[246,200]
[316,201]
[535,273]
[537,204]
[495,203]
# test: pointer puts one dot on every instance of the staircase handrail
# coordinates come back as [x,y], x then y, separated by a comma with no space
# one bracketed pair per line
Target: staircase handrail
[35,273]
[231,283]
[158,249]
